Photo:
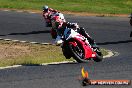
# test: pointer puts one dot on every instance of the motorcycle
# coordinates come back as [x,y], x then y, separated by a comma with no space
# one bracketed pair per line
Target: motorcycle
[77,46]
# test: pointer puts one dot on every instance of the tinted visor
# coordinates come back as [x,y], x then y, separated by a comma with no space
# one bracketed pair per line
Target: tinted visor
[45,10]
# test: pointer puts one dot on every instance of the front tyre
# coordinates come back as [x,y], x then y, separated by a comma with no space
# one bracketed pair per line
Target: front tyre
[77,53]
[99,56]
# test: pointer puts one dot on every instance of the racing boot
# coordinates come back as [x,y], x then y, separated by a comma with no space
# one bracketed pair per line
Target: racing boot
[82,31]
[92,42]
[48,24]
[58,40]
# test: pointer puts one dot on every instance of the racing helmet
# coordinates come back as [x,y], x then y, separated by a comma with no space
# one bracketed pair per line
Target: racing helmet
[45,8]
[74,25]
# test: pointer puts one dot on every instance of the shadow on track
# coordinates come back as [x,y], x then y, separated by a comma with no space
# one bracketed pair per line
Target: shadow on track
[29,33]
[117,42]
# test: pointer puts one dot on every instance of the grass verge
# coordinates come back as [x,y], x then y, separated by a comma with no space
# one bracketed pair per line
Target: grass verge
[89,6]
[16,53]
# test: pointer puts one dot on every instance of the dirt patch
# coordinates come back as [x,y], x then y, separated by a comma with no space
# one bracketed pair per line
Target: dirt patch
[13,50]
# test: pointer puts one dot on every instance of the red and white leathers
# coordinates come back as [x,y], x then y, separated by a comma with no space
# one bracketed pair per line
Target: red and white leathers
[61,27]
[57,22]
[47,15]
[58,17]
[61,16]
[48,12]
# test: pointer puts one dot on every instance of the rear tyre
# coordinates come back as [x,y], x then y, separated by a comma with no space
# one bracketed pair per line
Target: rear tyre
[66,52]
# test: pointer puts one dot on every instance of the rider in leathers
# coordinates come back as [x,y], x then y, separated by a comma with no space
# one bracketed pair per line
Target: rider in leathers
[47,13]
[61,26]
[78,29]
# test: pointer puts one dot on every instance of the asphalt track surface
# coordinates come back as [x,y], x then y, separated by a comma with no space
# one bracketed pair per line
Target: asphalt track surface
[109,32]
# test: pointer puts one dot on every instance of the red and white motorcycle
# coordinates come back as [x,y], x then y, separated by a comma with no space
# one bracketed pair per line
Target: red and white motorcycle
[77,46]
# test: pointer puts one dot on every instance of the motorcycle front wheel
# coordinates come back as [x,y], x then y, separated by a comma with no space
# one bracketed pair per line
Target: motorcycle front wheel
[77,53]
[99,55]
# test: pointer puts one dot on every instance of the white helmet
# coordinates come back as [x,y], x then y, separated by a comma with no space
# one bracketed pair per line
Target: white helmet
[45,8]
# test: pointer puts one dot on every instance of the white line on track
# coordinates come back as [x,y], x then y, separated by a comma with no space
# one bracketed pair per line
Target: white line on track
[14,66]
[6,10]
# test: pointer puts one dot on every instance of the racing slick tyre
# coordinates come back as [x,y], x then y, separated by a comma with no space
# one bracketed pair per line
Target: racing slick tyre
[77,53]
[99,56]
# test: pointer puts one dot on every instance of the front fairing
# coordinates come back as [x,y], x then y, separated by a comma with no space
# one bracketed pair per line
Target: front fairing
[71,34]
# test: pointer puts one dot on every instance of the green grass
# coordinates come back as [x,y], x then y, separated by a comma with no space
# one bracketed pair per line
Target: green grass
[90,6]
[15,53]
